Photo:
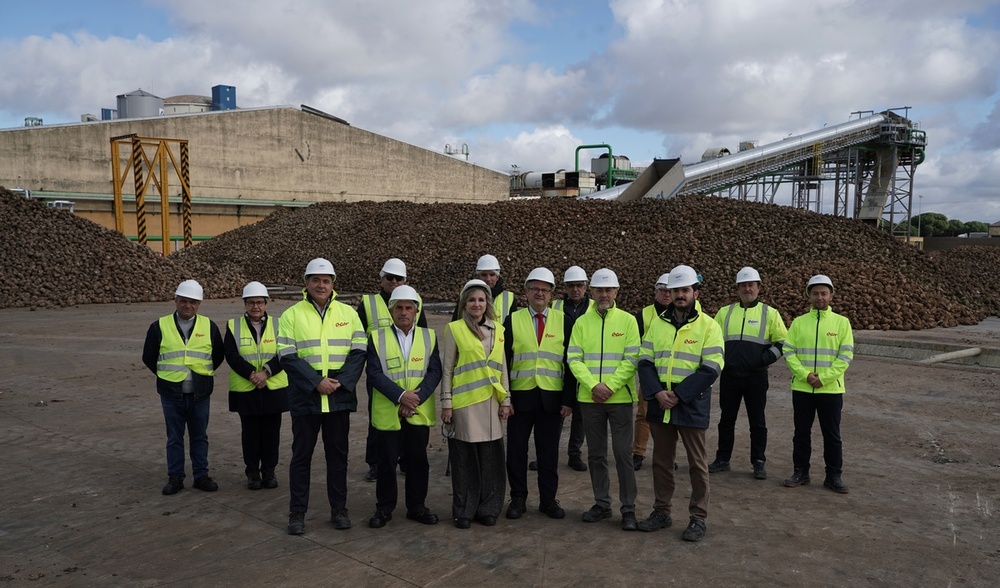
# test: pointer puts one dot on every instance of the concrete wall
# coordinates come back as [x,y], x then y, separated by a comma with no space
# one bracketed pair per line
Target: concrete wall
[274,154]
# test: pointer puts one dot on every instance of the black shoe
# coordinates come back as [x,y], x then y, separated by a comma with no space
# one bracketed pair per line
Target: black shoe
[552,509]
[637,462]
[596,513]
[655,521]
[759,471]
[462,523]
[516,508]
[533,465]
[341,519]
[718,466]
[486,520]
[577,464]
[798,478]
[836,484]
[296,523]
[205,483]
[695,532]
[628,522]
[425,516]
[372,474]
[173,486]
[253,482]
[269,480]
[379,519]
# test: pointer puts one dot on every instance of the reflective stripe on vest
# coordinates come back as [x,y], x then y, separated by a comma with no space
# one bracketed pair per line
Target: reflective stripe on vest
[406,374]
[534,365]
[758,313]
[256,354]
[339,331]
[604,338]
[177,358]
[476,378]
[559,305]
[503,309]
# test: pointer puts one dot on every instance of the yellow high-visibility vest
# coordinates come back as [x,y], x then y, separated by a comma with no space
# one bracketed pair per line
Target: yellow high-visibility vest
[256,354]
[537,365]
[178,358]
[476,378]
[406,374]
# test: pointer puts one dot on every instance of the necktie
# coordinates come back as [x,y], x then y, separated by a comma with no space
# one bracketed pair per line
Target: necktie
[541,326]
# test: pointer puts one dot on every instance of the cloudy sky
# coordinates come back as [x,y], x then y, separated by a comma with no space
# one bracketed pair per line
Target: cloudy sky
[524,82]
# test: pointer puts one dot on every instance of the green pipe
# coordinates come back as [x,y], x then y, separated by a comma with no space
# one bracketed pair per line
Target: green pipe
[611,159]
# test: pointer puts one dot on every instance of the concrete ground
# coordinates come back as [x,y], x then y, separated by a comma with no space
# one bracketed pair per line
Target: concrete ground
[82,446]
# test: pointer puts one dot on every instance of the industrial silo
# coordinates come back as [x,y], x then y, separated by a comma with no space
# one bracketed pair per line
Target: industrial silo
[139,104]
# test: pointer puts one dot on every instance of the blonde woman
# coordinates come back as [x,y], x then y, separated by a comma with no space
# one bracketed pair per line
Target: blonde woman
[474,401]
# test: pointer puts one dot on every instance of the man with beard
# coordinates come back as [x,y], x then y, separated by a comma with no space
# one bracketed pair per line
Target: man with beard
[682,355]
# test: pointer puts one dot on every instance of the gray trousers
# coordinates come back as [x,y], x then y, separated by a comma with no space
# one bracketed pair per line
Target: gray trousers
[596,420]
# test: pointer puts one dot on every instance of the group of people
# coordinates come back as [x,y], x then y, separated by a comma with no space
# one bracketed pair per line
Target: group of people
[579,357]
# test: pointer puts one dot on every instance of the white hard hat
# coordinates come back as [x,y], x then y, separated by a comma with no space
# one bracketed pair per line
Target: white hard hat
[477,284]
[604,278]
[683,275]
[747,274]
[488,263]
[254,289]
[320,266]
[541,274]
[404,292]
[664,281]
[394,266]
[819,280]
[190,289]
[575,273]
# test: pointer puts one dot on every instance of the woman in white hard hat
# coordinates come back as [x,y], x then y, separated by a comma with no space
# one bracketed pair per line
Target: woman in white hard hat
[258,387]
[474,401]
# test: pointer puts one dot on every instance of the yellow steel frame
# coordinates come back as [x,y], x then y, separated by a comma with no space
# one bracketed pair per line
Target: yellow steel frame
[157,167]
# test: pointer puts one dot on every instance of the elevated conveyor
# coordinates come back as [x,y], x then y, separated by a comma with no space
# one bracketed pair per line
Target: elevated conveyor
[865,154]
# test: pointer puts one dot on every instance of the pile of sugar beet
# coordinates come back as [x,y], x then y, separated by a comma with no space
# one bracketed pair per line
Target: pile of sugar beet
[59,259]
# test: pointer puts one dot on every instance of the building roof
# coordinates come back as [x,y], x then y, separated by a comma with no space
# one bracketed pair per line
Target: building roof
[139,92]
[187,99]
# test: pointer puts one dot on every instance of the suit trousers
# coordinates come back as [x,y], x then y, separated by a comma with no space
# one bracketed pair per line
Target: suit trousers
[410,442]
[597,418]
[576,435]
[547,427]
[664,452]
[306,429]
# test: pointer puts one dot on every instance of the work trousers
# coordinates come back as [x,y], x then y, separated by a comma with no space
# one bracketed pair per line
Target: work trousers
[478,483]
[192,414]
[576,435]
[371,439]
[596,420]
[410,442]
[261,437]
[641,429]
[752,391]
[806,406]
[664,453]
[306,429]
[547,427]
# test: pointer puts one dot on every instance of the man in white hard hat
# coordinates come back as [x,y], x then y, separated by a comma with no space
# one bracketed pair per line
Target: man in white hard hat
[183,349]
[258,387]
[404,368]
[322,346]
[754,334]
[488,270]
[574,302]
[661,298]
[603,352]
[535,344]
[682,356]
[818,351]
[374,312]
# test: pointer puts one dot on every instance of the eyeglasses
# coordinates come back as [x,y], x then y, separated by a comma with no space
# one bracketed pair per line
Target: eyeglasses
[394,278]
[256,303]
[539,290]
